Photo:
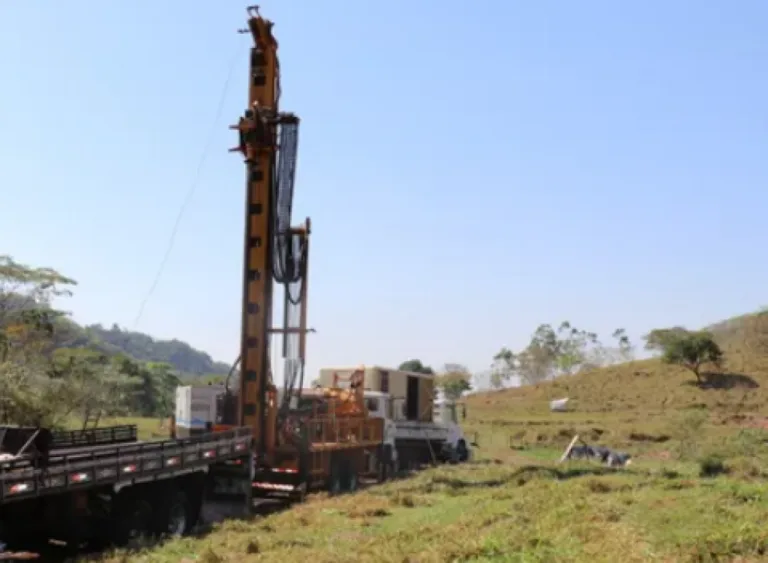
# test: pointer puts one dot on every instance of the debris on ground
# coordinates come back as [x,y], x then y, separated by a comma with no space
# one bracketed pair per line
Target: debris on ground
[609,457]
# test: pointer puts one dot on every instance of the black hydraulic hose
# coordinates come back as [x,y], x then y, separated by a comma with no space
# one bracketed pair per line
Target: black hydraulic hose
[229,375]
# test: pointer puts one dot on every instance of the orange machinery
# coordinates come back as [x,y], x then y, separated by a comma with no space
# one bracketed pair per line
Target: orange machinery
[294,450]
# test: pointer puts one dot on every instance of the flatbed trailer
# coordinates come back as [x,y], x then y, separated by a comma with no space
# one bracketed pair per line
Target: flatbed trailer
[111,493]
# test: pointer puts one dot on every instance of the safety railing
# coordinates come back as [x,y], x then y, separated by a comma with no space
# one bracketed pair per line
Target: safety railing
[345,430]
[66,439]
[130,461]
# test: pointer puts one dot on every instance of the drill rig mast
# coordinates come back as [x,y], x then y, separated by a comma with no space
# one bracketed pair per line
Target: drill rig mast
[274,251]
[299,443]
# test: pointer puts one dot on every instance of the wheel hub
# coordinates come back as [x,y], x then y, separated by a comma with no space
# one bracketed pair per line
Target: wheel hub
[177,520]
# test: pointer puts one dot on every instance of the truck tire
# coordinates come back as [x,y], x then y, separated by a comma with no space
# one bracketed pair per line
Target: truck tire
[462,453]
[132,517]
[352,480]
[4,536]
[300,494]
[347,475]
[334,478]
[175,518]
[384,462]
[381,470]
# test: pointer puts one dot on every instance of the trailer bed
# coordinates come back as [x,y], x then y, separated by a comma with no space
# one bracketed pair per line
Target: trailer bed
[82,468]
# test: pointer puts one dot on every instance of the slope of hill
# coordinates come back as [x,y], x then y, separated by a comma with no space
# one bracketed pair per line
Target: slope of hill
[651,386]
[143,347]
[183,357]
[666,506]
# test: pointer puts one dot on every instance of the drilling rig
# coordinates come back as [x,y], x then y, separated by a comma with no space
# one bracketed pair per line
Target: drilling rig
[326,441]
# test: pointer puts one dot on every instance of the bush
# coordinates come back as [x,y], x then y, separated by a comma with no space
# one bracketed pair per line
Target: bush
[688,431]
[712,466]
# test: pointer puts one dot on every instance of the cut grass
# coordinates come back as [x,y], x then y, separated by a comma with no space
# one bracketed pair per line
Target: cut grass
[697,490]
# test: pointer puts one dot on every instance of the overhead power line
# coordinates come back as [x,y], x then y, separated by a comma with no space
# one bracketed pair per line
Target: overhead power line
[193,187]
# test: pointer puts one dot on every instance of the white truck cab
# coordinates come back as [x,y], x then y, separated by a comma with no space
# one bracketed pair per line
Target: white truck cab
[439,440]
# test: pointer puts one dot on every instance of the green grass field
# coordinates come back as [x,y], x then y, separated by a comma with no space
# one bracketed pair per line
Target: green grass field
[697,490]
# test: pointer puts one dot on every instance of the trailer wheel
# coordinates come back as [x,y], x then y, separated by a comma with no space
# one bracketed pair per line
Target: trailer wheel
[462,453]
[300,494]
[334,479]
[393,468]
[132,518]
[381,470]
[349,474]
[385,464]
[352,479]
[176,517]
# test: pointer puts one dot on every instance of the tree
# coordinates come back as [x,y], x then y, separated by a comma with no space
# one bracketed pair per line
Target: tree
[94,385]
[549,353]
[415,366]
[28,394]
[50,370]
[454,381]
[689,349]
[622,351]
[155,385]
[143,347]
[557,352]
[658,339]
[503,368]
[626,350]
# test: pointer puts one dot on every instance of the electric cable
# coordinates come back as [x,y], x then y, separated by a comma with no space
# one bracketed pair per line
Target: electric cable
[193,187]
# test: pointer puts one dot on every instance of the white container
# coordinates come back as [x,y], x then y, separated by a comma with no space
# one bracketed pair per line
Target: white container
[196,406]
[559,405]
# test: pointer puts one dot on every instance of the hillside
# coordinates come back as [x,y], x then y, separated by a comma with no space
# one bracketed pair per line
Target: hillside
[184,358]
[639,403]
[651,385]
[692,447]
[143,347]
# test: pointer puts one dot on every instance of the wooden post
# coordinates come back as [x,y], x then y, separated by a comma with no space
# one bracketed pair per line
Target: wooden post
[569,448]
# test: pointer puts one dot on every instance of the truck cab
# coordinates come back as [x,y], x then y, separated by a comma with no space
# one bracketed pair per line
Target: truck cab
[413,441]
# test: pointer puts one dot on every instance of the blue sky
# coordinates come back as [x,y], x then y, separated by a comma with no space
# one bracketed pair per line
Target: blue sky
[470,172]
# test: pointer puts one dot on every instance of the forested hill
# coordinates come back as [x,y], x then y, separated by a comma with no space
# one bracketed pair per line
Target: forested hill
[140,346]
[185,359]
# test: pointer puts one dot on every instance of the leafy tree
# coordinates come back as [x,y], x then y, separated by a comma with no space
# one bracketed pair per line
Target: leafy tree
[659,339]
[689,349]
[454,381]
[28,395]
[549,353]
[556,352]
[622,351]
[626,350]
[94,385]
[415,366]
[51,371]
[154,387]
